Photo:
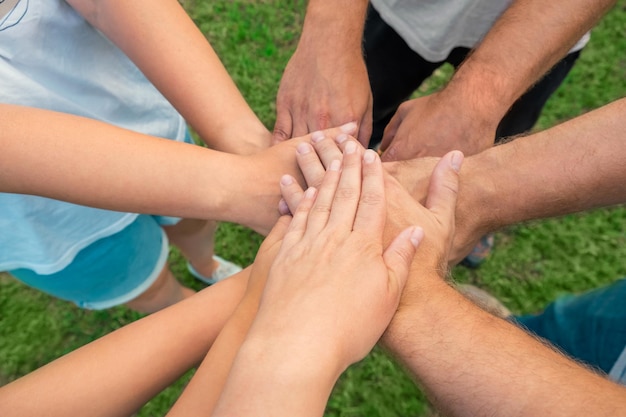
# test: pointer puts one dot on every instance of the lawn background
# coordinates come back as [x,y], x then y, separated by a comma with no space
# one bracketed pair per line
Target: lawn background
[533,263]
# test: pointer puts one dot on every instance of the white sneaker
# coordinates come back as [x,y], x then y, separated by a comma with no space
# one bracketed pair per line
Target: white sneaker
[224,270]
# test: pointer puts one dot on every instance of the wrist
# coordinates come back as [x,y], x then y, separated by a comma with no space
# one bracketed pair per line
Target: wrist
[340,25]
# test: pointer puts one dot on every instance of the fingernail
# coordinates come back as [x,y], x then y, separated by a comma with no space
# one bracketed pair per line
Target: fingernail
[283,208]
[348,127]
[310,192]
[369,156]
[286,180]
[350,147]
[317,136]
[416,236]
[341,138]
[334,165]
[303,148]
[456,159]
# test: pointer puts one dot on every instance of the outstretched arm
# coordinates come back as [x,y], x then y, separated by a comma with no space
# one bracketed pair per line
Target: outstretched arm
[325,82]
[524,43]
[471,363]
[161,39]
[572,167]
[127,171]
[117,374]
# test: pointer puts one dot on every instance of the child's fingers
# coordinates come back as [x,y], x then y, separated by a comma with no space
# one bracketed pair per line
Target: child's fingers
[310,164]
[326,148]
[292,194]
[298,225]
[370,216]
[320,212]
[346,200]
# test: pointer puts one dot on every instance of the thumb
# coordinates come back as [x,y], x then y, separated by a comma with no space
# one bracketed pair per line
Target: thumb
[399,255]
[283,128]
[444,187]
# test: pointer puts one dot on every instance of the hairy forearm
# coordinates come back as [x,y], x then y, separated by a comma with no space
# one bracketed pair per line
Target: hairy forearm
[526,41]
[575,166]
[474,364]
[118,373]
[340,23]
[161,39]
[96,164]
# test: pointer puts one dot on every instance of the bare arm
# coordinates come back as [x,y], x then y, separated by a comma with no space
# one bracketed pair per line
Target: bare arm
[120,372]
[325,82]
[526,41]
[161,39]
[572,167]
[118,169]
[474,364]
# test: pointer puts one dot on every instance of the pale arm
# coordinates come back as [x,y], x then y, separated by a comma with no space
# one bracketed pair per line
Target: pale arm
[524,43]
[325,82]
[161,39]
[118,373]
[96,164]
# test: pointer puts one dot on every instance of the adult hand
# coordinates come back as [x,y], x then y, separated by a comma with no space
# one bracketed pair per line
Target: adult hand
[436,124]
[334,285]
[320,89]
[474,205]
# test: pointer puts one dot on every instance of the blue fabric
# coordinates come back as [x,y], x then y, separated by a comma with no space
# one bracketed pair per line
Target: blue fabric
[590,327]
[111,271]
[52,58]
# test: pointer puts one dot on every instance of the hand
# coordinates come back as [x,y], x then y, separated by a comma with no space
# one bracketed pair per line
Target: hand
[316,93]
[472,205]
[436,124]
[333,284]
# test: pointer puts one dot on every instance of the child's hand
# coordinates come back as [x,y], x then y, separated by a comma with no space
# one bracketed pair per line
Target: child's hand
[334,287]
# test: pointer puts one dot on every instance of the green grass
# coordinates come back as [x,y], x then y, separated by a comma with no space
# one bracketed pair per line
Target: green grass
[533,263]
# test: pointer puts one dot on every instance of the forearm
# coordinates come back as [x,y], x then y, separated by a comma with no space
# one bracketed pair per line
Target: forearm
[575,166]
[279,377]
[474,364]
[96,164]
[524,43]
[340,23]
[118,373]
[161,39]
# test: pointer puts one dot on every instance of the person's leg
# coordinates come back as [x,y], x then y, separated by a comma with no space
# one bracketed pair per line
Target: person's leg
[526,110]
[196,241]
[395,70]
[129,266]
[164,292]
[590,327]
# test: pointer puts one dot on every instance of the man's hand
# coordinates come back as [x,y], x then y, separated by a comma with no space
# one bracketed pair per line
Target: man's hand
[436,124]
[316,93]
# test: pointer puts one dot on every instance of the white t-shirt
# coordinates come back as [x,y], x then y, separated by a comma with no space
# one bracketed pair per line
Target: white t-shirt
[51,58]
[432,28]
